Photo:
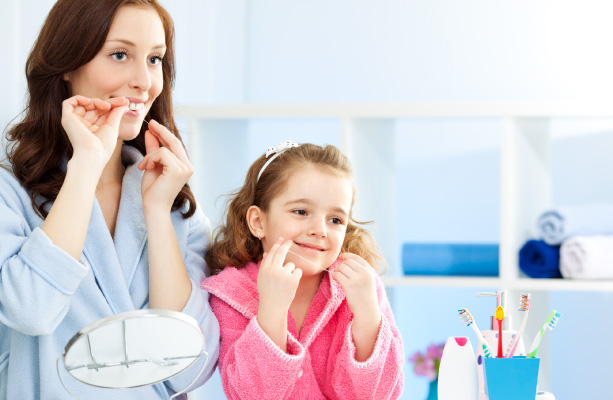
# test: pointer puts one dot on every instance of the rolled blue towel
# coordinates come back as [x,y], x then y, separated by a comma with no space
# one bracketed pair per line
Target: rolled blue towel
[537,259]
[558,224]
[450,259]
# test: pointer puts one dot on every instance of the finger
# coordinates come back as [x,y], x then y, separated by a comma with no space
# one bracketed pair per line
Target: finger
[168,139]
[151,142]
[345,270]
[271,253]
[297,274]
[351,256]
[340,278]
[281,252]
[353,265]
[161,157]
[69,105]
[117,102]
[114,116]
[99,105]
[289,267]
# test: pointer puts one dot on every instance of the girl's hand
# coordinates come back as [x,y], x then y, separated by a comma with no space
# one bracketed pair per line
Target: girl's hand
[357,278]
[277,283]
[167,168]
[92,126]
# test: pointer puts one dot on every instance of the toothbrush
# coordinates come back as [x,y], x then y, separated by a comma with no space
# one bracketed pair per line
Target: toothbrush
[499,317]
[550,323]
[524,305]
[468,320]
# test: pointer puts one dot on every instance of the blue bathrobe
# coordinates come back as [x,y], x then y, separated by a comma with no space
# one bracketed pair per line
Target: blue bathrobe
[46,296]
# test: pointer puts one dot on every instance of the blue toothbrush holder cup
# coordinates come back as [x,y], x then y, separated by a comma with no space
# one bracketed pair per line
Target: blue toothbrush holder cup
[511,378]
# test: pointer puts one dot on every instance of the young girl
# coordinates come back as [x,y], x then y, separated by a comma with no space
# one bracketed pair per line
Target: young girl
[302,312]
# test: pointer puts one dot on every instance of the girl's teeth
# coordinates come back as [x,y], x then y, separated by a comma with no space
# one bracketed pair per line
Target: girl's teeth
[137,106]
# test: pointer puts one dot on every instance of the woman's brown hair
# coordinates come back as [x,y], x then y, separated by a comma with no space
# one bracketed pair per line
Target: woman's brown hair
[72,35]
[234,245]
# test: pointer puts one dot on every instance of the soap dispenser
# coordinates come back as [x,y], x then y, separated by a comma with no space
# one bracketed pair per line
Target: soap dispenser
[491,336]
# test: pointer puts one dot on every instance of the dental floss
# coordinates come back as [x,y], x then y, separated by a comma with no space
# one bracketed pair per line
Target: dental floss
[306,259]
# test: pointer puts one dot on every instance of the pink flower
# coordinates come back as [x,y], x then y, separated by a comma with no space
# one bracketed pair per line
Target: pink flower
[427,365]
[415,357]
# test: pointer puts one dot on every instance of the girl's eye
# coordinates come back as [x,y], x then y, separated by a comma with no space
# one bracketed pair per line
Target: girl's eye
[299,212]
[155,60]
[336,221]
[119,55]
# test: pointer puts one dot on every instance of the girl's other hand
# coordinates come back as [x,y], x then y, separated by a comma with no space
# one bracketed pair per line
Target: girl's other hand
[167,168]
[357,278]
[92,126]
[277,283]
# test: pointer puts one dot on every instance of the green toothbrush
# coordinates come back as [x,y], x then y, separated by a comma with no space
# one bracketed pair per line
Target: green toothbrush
[549,324]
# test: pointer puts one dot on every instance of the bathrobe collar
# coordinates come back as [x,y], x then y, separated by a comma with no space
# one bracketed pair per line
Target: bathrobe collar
[238,288]
[113,259]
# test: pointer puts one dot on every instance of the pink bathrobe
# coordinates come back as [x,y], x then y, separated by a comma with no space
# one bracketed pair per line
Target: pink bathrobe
[319,364]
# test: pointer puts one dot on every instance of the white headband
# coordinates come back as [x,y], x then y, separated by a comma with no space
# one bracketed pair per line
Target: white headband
[276,150]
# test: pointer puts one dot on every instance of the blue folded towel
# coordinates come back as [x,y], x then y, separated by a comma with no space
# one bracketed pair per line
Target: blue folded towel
[539,260]
[561,223]
[450,259]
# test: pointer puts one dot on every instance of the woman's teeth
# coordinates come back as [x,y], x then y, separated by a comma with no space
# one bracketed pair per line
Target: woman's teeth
[137,106]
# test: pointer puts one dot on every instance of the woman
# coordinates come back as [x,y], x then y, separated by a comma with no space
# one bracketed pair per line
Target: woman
[97,216]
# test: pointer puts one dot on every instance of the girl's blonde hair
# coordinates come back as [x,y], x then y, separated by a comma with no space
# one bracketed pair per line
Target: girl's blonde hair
[234,245]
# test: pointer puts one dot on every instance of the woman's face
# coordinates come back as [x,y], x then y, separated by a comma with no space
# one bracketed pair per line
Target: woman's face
[128,65]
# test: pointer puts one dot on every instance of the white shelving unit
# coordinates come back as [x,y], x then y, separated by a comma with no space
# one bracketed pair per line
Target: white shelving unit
[367,129]
[367,134]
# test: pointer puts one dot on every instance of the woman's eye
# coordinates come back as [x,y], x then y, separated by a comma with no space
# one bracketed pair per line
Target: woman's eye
[119,55]
[299,212]
[155,60]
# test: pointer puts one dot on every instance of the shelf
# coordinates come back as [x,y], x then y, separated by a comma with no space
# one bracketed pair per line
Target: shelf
[395,110]
[521,284]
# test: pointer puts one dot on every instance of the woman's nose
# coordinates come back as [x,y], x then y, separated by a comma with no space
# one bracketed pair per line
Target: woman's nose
[141,76]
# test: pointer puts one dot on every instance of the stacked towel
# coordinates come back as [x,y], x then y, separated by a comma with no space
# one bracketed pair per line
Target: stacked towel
[450,259]
[587,257]
[537,259]
[559,224]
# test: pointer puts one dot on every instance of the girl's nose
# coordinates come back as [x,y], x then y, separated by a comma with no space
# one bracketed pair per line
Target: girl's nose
[318,229]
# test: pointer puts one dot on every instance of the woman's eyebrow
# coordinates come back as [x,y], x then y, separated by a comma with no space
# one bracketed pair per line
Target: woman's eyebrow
[129,43]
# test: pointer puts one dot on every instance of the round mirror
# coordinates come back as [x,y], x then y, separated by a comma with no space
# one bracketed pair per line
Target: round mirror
[134,349]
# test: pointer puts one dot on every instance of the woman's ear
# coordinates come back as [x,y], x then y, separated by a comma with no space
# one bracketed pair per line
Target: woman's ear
[256,221]
[67,76]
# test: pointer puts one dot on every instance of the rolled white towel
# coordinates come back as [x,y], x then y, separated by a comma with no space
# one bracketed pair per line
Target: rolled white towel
[561,223]
[587,257]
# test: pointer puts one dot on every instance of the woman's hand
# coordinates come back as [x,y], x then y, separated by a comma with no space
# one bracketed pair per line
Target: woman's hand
[277,284]
[92,126]
[167,168]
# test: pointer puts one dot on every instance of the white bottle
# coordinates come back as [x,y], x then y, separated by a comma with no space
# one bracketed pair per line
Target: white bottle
[457,374]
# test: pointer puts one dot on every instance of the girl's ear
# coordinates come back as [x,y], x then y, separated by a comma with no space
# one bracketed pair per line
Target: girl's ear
[256,221]
[67,76]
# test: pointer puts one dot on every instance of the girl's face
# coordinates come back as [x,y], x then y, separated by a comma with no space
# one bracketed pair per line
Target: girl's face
[313,212]
[128,65]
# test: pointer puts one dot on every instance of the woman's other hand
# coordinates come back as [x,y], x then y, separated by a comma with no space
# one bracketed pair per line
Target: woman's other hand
[167,168]
[92,126]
